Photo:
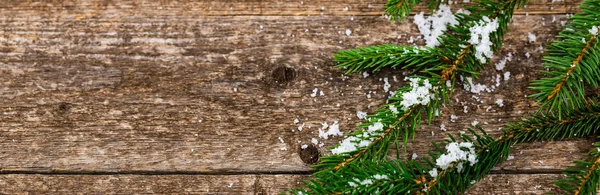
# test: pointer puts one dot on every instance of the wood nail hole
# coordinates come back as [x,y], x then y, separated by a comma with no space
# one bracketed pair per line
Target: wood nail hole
[63,107]
[309,155]
[283,74]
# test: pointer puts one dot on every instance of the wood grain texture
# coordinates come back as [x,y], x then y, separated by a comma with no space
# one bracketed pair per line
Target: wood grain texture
[228,184]
[86,8]
[191,87]
[202,95]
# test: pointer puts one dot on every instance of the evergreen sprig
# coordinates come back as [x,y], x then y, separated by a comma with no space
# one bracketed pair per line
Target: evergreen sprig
[573,62]
[436,66]
[361,167]
[399,9]
[391,123]
[579,123]
[374,58]
[403,177]
[399,177]
[456,54]
[585,176]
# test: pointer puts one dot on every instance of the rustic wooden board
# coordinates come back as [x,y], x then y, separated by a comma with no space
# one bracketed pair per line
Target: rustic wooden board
[86,8]
[127,96]
[227,184]
[159,88]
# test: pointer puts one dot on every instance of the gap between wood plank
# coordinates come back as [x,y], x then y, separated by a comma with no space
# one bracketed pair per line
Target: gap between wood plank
[15,172]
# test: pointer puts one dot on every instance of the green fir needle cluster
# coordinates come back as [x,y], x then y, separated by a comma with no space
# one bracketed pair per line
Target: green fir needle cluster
[359,164]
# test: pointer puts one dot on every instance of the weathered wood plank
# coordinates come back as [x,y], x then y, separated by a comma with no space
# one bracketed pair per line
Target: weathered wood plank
[148,184]
[86,8]
[201,87]
[206,94]
[228,184]
[517,184]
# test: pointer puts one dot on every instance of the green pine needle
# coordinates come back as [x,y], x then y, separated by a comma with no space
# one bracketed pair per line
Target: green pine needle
[573,63]
[403,177]
[584,178]
[374,58]
[438,66]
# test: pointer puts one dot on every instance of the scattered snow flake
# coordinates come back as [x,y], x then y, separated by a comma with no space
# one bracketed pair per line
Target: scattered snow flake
[527,55]
[300,127]
[365,74]
[433,26]
[361,115]
[531,37]
[466,109]
[506,76]
[562,23]
[296,121]
[537,187]
[414,156]
[453,118]
[419,93]
[333,129]
[281,140]
[321,93]
[594,30]
[362,140]
[304,146]
[386,84]
[443,127]
[350,144]
[380,177]
[433,173]
[314,141]
[235,89]
[464,151]
[475,88]
[314,92]
[475,123]
[230,185]
[500,102]
[348,32]
[283,148]
[480,38]
[510,157]
[501,64]
[393,109]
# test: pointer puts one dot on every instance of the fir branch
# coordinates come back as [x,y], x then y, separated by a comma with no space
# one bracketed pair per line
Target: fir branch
[467,59]
[399,9]
[585,177]
[579,123]
[400,118]
[572,62]
[419,177]
[375,58]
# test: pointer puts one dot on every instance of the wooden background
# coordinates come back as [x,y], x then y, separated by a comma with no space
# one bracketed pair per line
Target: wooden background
[149,96]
